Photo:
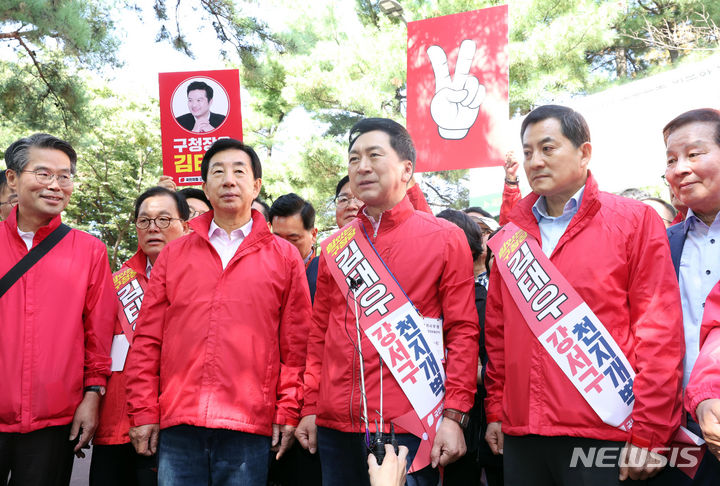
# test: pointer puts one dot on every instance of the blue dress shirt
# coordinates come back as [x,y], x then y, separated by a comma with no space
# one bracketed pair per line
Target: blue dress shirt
[699,272]
[552,228]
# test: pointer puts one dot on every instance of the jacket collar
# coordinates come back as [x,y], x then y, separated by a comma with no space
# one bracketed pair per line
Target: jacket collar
[523,216]
[137,262]
[40,234]
[390,218]
[259,233]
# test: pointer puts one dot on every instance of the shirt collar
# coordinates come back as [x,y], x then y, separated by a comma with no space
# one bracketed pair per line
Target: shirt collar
[539,209]
[235,234]
[148,267]
[691,219]
[309,256]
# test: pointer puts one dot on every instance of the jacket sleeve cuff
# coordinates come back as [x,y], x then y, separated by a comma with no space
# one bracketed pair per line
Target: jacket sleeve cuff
[95,380]
[285,419]
[694,398]
[308,410]
[459,405]
[640,436]
[145,418]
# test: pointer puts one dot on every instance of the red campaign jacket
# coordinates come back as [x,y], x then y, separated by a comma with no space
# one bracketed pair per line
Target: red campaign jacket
[615,254]
[55,328]
[114,422]
[705,377]
[431,260]
[510,197]
[221,348]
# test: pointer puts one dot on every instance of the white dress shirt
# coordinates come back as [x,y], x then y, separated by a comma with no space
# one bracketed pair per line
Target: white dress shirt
[224,245]
[27,237]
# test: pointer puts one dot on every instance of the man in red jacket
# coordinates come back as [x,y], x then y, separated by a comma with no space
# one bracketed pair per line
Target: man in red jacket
[217,357]
[160,217]
[56,321]
[431,261]
[545,399]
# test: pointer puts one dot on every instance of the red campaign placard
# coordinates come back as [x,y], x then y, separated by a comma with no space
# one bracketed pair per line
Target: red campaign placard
[196,108]
[457,98]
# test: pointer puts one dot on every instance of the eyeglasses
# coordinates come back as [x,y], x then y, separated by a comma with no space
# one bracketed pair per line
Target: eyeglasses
[194,213]
[45,177]
[344,200]
[12,201]
[664,179]
[161,222]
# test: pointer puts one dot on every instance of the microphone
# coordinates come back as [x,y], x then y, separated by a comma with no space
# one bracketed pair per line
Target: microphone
[355,283]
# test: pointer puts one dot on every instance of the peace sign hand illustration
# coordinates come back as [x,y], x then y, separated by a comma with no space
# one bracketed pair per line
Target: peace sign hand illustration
[456,103]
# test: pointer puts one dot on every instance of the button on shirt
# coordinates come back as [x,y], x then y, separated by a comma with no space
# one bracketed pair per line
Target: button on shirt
[224,245]
[552,228]
[699,272]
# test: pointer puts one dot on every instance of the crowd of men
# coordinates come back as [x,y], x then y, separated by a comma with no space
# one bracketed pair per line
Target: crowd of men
[235,348]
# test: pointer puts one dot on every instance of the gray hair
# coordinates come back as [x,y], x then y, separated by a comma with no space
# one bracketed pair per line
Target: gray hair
[17,154]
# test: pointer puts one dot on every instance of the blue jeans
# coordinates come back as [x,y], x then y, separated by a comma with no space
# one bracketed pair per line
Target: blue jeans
[196,456]
[343,459]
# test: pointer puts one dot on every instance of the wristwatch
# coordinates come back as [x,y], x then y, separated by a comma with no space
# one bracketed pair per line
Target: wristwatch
[100,390]
[457,416]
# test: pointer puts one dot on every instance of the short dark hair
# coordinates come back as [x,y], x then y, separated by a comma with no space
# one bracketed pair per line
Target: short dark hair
[17,154]
[195,85]
[477,209]
[573,125]
[182,205]
[470,227]
[701,115]
[195,193]
[265,208]
[341,184]
[3,180]
[400,139]
[291,204]
[223,144]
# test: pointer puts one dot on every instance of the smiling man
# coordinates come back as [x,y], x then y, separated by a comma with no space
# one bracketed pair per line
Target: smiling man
[430,260]
[616,262]
[57,320]
[692,170]
[200,118]
[219,350]
[160,217]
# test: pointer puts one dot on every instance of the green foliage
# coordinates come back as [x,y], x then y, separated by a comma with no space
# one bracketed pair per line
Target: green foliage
[53,41]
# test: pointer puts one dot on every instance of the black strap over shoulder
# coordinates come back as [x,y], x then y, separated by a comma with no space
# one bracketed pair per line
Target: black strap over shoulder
[33,256]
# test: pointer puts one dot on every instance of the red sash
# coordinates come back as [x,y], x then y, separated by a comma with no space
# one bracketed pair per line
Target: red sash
[396,330]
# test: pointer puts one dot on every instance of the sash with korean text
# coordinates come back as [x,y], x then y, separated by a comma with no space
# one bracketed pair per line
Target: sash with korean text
[408,344]
[566,327]
[130,291]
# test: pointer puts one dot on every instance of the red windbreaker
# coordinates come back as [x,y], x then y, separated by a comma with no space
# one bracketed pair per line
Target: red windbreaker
[55,328]
[705,377]
[615,254]
[221,348]
[114,421]
[431,260]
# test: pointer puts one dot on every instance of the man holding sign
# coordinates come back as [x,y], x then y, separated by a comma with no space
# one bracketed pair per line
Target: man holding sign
[394,326]
[583,323]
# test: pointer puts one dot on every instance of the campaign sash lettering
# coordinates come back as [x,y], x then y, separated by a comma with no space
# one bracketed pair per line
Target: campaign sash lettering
[409,346]
[130,292]
[566,327]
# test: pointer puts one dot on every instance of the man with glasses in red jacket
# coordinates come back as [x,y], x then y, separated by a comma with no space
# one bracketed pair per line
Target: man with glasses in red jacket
[218,354]
[56,321]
